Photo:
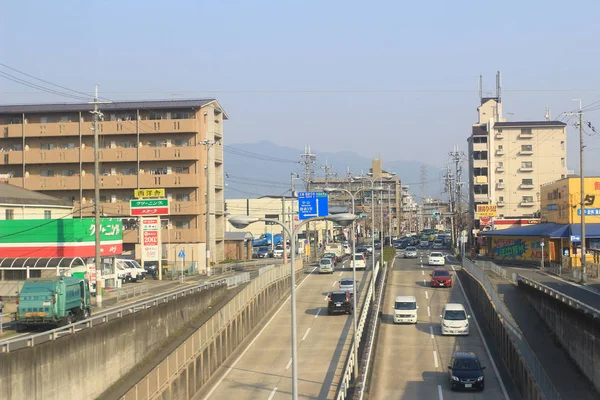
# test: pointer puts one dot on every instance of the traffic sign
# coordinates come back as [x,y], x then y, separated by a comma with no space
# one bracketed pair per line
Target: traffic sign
[312,204]
[575,238]
[149,207]
[181,254]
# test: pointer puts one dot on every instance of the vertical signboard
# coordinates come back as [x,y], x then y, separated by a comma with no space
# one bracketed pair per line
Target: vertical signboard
[150,232]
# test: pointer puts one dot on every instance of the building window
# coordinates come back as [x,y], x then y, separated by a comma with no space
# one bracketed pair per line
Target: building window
[182,197]
[526,131]
[129,171]
[155,116]
[9,214]
[527,199]
[526,147]
[562,144]
[480,155]
[182,170]
[562,163]
[47,214]
[480,189]
[67,172]
[501,164]
[182,225]
[181,143]
[47,172]
[501,198]
[480,171]
[527,164]
[47,146]
[480,139]
[526,181]
[499,130]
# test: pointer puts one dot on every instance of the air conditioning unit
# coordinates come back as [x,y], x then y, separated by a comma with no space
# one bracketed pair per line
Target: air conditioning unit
[500,215]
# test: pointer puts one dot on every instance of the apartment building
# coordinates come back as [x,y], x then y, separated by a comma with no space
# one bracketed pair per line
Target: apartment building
[175,145]
[509,161]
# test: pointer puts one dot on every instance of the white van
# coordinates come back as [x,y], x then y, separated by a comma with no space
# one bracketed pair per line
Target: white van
[455,320]
[405,310]
[359,261]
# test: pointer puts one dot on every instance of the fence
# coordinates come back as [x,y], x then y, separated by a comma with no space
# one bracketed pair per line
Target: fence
[214,341]
[530,361]
[124,293]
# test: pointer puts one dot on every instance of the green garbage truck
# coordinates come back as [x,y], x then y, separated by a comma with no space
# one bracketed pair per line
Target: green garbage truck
[57,300]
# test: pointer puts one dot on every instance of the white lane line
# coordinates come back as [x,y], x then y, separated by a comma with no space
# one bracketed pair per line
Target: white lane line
[273,393]
[334,282]
[237,360]
[440,392]
[341,273]
[289,363]
[428,311]
[423,273]
[421,265]
[424,283]
[326,297]
[426,295]
[435,361]
[430,332]
[487,349]
[305,335]
[318,311]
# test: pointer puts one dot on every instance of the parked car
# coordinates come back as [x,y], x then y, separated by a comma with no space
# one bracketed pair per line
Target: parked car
[440,277]
[465,371]
[405,309]
[326,266]
[137,272]
[454,320]
[360,262]
[436,258]
[410,252]
[278,252]
[151,267]
[263,252]
[339,302]
[347,285]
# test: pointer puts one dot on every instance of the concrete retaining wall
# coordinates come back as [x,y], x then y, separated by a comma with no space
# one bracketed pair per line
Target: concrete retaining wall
[85,364]
[577,332]
[184,372]
[488,316]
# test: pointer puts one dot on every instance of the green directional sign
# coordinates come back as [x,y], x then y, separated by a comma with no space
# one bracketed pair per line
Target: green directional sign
[149,203]
[149,207]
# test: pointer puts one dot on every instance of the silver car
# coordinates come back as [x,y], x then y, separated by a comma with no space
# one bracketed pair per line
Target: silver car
[410,252]
[347,285]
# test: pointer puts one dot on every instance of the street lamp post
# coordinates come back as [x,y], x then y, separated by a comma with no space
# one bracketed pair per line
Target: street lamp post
[242,221]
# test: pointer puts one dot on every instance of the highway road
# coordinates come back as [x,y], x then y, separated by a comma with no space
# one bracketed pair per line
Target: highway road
[263,370]
[411,360]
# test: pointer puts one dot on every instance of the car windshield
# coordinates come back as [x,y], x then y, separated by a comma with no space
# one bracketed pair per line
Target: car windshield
[325,261]
[441,273]
[455,315]
[436,255]
[358,257]
[338,297]
[405,305]
[328,255]
[410,249]
[467,364]
[346,282]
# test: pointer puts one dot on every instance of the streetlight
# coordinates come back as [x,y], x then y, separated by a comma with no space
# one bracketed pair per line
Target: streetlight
[380,176]
[330,190]
[242,221]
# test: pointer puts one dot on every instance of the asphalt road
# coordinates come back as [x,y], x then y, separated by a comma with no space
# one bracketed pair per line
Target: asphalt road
[411,360]
[263,370]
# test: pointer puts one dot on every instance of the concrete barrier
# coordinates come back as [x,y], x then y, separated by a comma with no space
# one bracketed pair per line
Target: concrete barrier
[85,364]
[184,372]
[577,331]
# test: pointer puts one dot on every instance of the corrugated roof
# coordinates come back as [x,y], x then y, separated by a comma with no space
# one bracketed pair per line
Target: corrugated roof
[528,123]
[550,230]
[115,106]
[10,194]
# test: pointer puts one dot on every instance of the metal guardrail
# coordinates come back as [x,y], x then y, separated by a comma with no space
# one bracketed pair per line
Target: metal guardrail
[348,369]
[531,361]
[238,279]
[129,291]
[104,317]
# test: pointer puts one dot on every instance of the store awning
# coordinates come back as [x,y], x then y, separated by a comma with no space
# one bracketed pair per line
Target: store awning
[549,230]
[591,230]
[40,263]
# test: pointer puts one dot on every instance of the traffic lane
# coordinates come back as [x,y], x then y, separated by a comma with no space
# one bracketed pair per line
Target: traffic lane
[401,368]
[571,289]
[321,346]
[266,364]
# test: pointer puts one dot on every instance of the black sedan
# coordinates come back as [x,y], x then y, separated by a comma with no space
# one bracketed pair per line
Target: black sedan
[465,371]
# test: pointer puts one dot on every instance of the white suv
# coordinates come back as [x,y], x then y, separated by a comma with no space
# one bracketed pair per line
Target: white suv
[436,258]
[359,261]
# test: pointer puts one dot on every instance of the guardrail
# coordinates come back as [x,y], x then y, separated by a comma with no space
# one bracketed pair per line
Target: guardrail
[133,290]
[104,317]
[531,361]
[348,369]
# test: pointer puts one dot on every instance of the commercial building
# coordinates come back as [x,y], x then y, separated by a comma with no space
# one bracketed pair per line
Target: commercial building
[172,145]
[509,161]
[17,203]
[410,212]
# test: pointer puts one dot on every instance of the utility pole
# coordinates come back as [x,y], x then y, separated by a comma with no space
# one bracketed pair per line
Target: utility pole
[97,115]
[328,175]
[208,143]
[308,160]
[423,179]
[457,157]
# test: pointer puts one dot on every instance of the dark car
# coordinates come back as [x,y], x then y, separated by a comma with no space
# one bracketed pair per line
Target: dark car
[362,249]
[440,277]
[263,252]
[339,302]
[332,257]
[465,371]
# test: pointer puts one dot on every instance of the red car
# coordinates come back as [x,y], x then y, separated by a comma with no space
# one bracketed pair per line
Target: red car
[440,277]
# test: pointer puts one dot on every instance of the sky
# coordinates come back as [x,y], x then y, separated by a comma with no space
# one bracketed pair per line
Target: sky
[390,79]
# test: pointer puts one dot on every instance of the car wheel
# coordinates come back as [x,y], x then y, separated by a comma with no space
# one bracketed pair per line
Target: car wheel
[86,313]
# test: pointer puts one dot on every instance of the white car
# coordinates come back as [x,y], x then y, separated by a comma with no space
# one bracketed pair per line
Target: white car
[405,310]
[347,285]
[326,266]
[278,252]
[436,258]
[455,320]
[359,261]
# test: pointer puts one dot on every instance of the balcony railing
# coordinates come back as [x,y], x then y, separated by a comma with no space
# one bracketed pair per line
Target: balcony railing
[526,169]
[500,168]
[527,203]
[500,203]
[500,185]
[526,186]
[526,152]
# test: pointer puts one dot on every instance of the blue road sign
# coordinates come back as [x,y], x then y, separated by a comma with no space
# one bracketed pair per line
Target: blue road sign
[312,204]
[575,238]
[181,254]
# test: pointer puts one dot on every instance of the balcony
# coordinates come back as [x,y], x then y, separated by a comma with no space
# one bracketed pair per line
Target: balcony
[115,154]
[118,182]
[184,208]
[526,152]
[526,169]
[499,152]
[169,153]
[11,131]
[500,185]
[500,203]
[526,186]
[526,135]
[481,198]
[56,156]
[52,129]
[11,158]
[527,203]
[500,168]
[499,136]
[36,182]
[169,181]
[480,163]
[480,146]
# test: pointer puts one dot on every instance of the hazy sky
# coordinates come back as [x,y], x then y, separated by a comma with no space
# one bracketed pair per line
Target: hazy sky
[395,79]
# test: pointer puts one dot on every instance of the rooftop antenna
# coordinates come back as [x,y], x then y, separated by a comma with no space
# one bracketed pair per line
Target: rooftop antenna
[547,113]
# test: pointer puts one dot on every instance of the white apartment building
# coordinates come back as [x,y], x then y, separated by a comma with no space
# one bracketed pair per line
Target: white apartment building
[509,161]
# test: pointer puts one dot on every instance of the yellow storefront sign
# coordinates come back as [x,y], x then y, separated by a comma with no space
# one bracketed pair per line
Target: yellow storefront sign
[486,210]
[141,193]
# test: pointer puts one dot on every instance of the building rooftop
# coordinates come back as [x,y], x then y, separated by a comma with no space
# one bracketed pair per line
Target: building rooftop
[15,195]
[528,123]
[117,105]
[238,236]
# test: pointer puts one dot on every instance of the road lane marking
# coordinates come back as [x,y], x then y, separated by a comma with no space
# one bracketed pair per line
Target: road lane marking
[273,393]
[430,332]
[440,392]
[424,283]
[326,297]
[289,363]
[305,335]
[423,273]
[334,282]
[487,349]
[237,360]
[428,311]
[341,273]
[318,311]
[426,295]
[421,265]
[435,361]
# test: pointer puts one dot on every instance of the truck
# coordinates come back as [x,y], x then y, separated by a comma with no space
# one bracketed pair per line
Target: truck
[337,249]
[56,300]
[266,238]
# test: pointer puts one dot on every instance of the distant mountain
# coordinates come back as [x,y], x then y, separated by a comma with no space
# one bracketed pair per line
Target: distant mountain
[264,168]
